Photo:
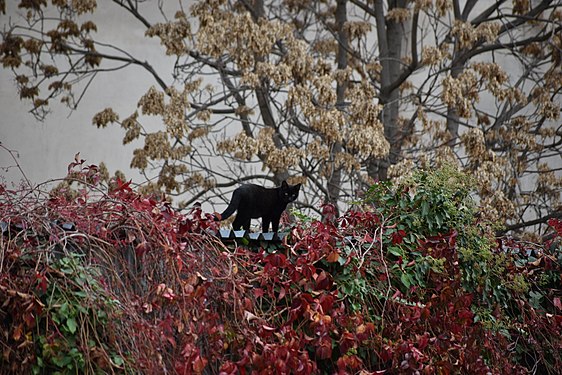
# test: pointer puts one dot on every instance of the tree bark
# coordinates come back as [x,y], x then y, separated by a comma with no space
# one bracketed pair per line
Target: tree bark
[335,180]
[390,35]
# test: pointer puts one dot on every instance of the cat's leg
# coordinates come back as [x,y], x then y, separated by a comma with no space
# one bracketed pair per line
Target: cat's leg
[237,223]
[265,224]
[275,224]
[246,225]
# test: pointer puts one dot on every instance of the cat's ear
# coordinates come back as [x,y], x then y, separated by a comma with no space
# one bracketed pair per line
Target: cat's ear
[284,185]
[298,187]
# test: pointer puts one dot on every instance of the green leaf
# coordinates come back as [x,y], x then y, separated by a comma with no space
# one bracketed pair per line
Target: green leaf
[81,294]
[425,208]
[439,220]
[536,299]
[395,250]
[406,280]
[61,361]
[342,260]
[117,360]
[71,325]
[63,310]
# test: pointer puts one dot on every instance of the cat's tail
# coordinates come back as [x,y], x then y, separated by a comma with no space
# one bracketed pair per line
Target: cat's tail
[233,206]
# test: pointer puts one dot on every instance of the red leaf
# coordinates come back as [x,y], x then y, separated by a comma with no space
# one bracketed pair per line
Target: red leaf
[323,281]
[327,302]
[17,332]
[122,186]
[228,368]
[363,331]
[324,350]
[557,303]
[333,257]
[29,319]
[423,340]
[41,282]
[347,341]
[276,260]
[77,161]
[258,292]
[199,364]
[351,362]
[141,248]
[398,237]
[282,293]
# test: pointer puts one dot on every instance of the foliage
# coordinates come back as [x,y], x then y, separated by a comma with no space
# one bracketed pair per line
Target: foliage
[101,295]
[134,286]
[335,94]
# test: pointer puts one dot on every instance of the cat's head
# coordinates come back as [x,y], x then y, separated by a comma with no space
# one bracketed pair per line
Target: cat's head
[289,193]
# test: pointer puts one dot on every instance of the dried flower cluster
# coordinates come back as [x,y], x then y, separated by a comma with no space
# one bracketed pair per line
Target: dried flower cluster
[246,148]
[172,34]
[467,35]
[343,160]
[175,113]
[101,119]
[497,82]
[245,40]
[549,184]
[398,15]
[460,93]
[78,6]
[152,103]
[432,55]
[474,144]
[318,150]
[133,128]
[547,108]
[402,170]
[242,146]
[357,29]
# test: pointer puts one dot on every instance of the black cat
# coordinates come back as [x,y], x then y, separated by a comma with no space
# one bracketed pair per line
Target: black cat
[253,201]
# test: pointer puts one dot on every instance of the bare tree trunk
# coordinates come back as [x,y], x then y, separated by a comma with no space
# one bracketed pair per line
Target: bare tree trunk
[390,35]
[456,70]
[452,115]
[334,182]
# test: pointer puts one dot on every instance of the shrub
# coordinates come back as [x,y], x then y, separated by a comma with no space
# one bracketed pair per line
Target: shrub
[409,281]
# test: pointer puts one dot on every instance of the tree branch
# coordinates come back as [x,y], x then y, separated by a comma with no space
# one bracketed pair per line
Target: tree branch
[530,223]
